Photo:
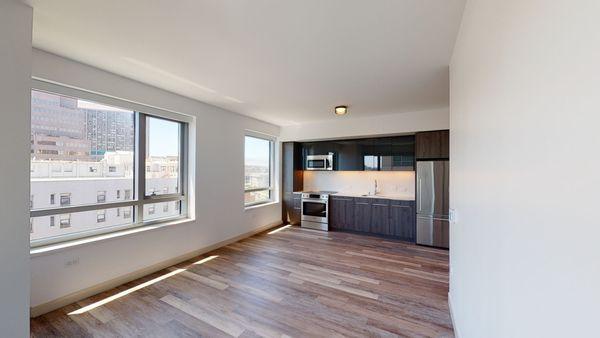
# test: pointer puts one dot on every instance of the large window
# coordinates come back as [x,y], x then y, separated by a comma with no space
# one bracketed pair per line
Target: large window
[258,165]
[82,152]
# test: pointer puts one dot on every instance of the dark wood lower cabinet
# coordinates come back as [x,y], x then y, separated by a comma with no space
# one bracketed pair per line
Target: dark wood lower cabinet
[384,217]
[402,220]
[362,215]
[296,209]
[380,217]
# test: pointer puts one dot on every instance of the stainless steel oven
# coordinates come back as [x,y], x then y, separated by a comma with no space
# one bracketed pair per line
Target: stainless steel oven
[315,209]
[319,162]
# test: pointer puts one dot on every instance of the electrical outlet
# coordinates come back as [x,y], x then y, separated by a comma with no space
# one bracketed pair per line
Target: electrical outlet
[453,215]
[71,262]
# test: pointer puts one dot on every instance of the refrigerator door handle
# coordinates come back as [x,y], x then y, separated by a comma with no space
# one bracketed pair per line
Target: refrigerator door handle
[420,183]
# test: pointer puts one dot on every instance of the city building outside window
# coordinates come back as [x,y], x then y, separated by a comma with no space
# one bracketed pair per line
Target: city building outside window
[101,216]
[86,148]
[101,197]
[258,168]
[65,221]
[65,199]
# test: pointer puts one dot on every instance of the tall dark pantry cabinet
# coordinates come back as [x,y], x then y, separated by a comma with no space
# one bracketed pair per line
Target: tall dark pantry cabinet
[292,181]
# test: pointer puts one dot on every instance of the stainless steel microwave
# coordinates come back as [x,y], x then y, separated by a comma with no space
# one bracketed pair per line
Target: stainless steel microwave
[319,162]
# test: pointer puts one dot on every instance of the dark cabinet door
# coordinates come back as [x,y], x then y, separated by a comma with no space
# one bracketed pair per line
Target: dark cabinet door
[292,180]
[341,213]
[380,218]
[362,215]
[432,145]
[403,153]
[402,220]
[296,209]
[337,216]
[348,156]
[349,213]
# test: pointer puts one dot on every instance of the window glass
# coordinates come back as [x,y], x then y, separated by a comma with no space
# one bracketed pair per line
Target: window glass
[78,148]
[257,166]
[162,156]
[78,222]
[161,210]
[83,173]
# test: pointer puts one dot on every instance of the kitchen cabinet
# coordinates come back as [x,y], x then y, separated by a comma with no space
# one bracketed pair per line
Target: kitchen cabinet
[341,211]
[348,155]
[362,214]
[377,216]
[292,180]
[402,220]
[380,217]
[368,154]
[432,145]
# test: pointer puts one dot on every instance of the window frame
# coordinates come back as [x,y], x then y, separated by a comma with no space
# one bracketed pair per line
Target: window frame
[137,196]
[271,189]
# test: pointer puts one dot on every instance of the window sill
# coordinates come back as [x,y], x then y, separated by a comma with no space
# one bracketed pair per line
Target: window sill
[53,248]
[260,205]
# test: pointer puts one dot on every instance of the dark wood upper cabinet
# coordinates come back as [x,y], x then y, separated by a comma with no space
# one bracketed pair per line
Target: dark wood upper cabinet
[368,154]
[432,145]
[292,180]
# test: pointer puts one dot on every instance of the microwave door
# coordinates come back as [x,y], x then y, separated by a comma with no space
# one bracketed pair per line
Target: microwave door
[315,164]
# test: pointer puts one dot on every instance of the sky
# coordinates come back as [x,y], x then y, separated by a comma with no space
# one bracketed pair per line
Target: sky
[163,137]
[257,151]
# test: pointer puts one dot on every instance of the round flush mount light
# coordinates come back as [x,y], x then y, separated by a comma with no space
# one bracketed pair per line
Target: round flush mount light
[341,110]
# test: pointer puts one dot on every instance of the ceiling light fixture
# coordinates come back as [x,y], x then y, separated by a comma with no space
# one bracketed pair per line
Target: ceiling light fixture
[341,110]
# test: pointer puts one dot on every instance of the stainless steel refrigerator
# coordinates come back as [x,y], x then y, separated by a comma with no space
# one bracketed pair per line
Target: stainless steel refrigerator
[432,203]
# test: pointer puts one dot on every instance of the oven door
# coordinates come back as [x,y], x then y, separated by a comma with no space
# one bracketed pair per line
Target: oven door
[314,210]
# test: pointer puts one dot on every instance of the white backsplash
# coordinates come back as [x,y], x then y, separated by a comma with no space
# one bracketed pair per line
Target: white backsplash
[362,182]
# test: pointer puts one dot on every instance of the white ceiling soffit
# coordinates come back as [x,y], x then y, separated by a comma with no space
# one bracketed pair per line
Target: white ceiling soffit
[284,62]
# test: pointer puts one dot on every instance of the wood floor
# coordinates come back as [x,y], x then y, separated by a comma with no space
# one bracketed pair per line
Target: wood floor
[295,282]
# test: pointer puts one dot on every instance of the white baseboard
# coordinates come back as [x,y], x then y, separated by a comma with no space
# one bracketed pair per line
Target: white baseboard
[110,284]
[456,331]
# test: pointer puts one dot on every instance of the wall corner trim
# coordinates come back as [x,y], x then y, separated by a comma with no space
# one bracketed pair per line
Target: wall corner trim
[112,283]
[451,307]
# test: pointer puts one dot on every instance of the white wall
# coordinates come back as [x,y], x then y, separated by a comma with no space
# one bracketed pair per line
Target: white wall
[395,183]
[15,70]
[219,188]
[347,126]
[525,145]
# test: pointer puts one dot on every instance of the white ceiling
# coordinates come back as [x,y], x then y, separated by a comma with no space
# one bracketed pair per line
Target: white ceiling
[285,62]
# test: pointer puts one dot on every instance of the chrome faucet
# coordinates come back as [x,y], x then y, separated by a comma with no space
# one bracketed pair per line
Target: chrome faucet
[375,191]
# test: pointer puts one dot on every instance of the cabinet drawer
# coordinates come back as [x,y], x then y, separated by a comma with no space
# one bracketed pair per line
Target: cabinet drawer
[402,202]
[380,201]
[363,200]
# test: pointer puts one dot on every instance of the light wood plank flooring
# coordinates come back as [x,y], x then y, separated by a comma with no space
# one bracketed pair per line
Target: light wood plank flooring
[295,282]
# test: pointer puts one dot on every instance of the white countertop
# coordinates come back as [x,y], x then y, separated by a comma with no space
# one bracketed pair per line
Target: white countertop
[384,196]
[399,197]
